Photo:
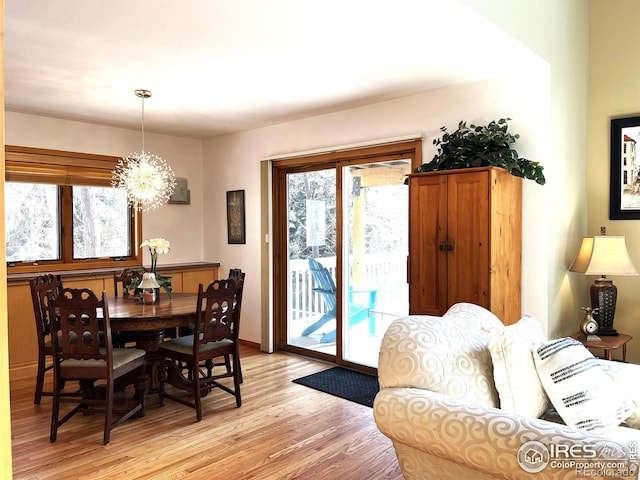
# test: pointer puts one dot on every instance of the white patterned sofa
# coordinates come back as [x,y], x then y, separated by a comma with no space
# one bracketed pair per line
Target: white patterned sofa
[439,405]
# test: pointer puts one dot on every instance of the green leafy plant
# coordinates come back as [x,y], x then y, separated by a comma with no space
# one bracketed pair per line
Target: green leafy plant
[164,282]
[482,146]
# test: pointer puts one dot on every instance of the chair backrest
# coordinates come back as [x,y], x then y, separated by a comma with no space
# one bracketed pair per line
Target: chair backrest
[81,330]
[42,287]
[125,278]
[217,312]
[325,285]
[237,275]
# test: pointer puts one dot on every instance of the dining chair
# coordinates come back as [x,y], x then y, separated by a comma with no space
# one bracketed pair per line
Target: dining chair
[124,280]
[215,335]
[79,355]
[40,287]
[237,275]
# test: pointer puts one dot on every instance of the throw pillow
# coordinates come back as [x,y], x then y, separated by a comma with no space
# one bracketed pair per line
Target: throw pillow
[514,371]
[625,376]
[583,394]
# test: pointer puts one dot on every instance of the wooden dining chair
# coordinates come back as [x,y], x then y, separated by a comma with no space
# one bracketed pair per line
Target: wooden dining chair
[78,355]
[237,275]
[125,278]
[215,335]
[41,288]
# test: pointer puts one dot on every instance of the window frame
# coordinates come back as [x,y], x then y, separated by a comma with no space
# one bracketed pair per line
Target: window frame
[65,169]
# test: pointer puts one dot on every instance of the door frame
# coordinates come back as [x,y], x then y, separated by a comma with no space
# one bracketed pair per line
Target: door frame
[411,150]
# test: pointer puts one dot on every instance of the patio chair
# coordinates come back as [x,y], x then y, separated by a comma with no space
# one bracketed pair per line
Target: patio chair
[326,287]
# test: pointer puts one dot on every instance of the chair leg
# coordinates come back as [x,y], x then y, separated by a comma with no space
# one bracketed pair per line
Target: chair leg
[163,378]
[239,368]
[197,394]
[141,386]
[237,378]
[108,412]
[39,379]
[55,411]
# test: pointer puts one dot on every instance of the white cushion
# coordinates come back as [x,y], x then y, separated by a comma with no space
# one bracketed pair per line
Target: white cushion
[583,394]
[514,371]
[447,354]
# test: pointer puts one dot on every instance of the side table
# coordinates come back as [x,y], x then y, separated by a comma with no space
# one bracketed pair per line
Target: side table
[608,344]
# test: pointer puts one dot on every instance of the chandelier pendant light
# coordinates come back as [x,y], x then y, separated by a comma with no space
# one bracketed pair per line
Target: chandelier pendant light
[148,180]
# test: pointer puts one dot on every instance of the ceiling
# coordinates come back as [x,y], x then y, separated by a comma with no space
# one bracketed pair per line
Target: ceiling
[220,66]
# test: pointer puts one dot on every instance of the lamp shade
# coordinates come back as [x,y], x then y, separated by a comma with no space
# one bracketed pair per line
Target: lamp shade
[603,255]
[148,281]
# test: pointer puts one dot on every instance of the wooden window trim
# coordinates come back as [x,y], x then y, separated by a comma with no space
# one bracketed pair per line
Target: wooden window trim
[410,149]
[27,164]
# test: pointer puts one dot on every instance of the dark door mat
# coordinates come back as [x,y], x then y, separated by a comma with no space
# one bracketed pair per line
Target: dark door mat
[348,384]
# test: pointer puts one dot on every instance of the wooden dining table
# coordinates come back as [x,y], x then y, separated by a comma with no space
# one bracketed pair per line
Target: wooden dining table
[148,323]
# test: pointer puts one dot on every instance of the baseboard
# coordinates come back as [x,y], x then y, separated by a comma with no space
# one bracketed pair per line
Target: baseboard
[249,343]
[22,371]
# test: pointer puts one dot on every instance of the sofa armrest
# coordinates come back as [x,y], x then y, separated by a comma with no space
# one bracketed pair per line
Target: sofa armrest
[481,438]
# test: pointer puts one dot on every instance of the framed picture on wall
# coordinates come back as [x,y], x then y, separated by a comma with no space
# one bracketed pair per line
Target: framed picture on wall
[624,188]
[235,217]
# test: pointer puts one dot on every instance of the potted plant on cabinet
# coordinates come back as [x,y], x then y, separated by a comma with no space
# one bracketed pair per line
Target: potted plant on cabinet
[482,146]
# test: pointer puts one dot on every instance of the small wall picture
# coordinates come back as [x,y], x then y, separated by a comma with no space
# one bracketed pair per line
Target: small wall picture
[235,217]
[181,194]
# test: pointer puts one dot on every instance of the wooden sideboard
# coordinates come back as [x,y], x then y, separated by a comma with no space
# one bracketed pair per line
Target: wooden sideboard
[23,348]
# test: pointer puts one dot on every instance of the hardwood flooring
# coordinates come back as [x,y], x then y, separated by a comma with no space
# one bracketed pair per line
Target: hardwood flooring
[282,431]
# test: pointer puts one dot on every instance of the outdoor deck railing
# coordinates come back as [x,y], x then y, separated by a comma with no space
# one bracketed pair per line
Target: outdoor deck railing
[385,273]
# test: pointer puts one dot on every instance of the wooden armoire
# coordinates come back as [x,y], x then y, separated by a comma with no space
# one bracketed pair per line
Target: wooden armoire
[465,241]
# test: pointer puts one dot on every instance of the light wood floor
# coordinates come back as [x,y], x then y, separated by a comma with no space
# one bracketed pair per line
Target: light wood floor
[282,431]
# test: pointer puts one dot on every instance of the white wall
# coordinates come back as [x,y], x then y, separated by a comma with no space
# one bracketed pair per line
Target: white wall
[613,93]
[557,31]
[524,99]
[180,224]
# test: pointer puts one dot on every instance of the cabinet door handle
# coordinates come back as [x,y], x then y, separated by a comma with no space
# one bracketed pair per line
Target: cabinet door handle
[446,246]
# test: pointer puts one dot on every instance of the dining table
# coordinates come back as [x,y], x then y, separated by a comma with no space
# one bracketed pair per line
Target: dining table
[147,324]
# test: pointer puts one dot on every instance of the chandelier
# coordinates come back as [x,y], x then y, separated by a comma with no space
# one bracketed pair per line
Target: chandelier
[148,180]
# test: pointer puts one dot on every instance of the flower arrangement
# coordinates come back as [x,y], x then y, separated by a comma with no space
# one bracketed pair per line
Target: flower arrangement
[156,246]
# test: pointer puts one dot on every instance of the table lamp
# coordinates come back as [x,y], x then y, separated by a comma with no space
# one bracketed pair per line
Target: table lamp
[604,255]
[149,285]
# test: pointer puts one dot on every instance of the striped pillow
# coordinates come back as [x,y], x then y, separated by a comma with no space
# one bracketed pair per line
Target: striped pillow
[579,388]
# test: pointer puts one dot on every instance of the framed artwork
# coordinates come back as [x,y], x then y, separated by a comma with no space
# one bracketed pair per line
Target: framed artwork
[181,194]
[624,189]
[235,217]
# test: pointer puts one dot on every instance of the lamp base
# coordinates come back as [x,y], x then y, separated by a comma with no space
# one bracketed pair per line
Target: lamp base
[604,295]
[611,332]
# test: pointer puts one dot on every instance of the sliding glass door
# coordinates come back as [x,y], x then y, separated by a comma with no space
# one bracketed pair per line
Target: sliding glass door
[340,255]
[375,247]
[311,259]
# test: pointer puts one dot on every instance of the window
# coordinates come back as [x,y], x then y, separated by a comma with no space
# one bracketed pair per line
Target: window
[100,222]
[61,212]
[32,223]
